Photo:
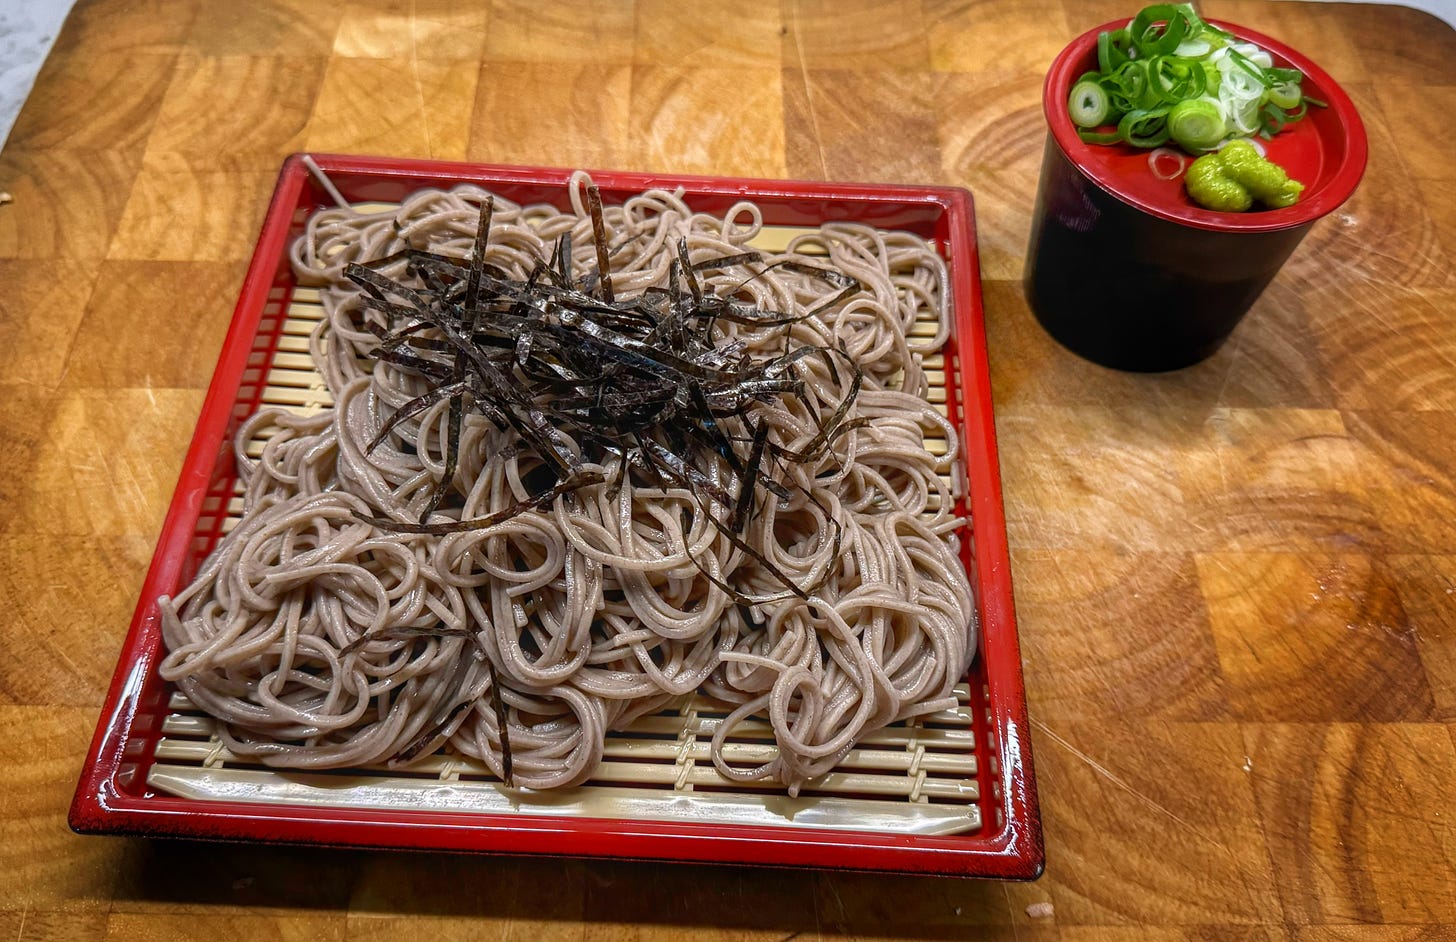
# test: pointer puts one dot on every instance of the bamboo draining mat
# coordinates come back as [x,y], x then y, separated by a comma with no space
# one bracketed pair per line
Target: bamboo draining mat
[1234,583]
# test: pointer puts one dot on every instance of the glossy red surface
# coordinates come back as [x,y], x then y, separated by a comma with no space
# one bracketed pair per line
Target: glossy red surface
[112,796]
[1326,151]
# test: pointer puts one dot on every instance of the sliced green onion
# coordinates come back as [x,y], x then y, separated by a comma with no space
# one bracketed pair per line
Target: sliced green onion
[1215,37]
[1196,125]
[1167,76]
[1088,106]
[1174,78]
[1260,57]
[1285,95]
[1109,55]
[1272,120]
[1158,155]
[1146,127]
[1177,20]
[1244,63]
[1241,109]
[1128,89]
[1315,102]
[1212,78]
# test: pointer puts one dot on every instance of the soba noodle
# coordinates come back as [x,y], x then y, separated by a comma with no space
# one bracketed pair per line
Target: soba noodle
[322,641]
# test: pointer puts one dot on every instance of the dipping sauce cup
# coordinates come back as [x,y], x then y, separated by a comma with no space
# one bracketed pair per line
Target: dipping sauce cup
[1128,272]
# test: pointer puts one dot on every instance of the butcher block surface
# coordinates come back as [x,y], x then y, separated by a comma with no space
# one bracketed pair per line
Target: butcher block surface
[1235,584]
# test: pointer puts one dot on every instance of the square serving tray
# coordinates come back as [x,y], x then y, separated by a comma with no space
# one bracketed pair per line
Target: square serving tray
[951,793]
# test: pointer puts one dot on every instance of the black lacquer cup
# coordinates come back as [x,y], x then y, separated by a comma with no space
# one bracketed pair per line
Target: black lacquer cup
[1124,270]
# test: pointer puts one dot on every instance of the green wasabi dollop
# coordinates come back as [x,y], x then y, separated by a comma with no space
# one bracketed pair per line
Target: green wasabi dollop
[1263,178]
[1212,188]
[1231,179]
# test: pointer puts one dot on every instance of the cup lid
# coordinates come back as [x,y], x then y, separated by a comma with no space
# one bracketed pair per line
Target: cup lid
[1326,151]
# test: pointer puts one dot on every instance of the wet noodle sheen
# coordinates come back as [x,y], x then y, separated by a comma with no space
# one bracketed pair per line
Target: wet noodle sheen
[322,641]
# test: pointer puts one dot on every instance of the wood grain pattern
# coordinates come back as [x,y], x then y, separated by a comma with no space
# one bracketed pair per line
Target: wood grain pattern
[73,653]
[1307,638]
[400,29]
[239,110]
[40,312]
[720,33]
[838,121]
[1160,663]
[1094,478]
[1156,823]
[99,471]
[181,210]
[1405,252]
[590,106]
[1267,363]
[371,927]
[1380,48]
[43,866]
[1407,458]
[575,31]
[1427,586]
[1236,583]
[48,926]
[857,34]
[1396,335]
[112,347]
[991,133]
[1439,199]
[133,927]
[110,104]
[64,204]
[990,37]
[379,106]
[1339,46]
[708,121]
[180,878]
[141,26]
[25,418]
[1278,479]
[1358,820]
[264,28]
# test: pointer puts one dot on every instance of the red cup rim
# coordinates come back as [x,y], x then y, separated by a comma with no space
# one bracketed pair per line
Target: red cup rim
[1335,187]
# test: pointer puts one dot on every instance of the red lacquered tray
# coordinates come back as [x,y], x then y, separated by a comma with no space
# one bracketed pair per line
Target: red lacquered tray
[118,791]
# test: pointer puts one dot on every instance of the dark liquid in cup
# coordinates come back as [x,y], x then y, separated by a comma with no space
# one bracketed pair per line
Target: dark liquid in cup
[1131,291]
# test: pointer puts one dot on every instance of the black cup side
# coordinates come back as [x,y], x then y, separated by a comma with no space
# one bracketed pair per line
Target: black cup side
[1130,291]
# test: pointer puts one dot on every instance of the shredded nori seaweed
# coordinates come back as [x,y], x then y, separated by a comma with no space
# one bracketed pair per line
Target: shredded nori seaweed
[556,358]
[498,704]
[581,377]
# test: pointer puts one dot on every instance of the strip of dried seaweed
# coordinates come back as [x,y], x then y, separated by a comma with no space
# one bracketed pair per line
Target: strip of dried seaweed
[599,236]
[498,705]
[583,378]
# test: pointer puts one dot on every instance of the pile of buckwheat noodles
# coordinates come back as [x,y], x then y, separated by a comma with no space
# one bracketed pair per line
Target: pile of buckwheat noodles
[322,641]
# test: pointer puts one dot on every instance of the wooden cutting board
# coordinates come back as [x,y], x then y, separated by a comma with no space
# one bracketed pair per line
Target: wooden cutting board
[1236,583]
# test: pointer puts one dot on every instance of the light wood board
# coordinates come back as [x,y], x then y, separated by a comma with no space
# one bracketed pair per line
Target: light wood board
[1236,584]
